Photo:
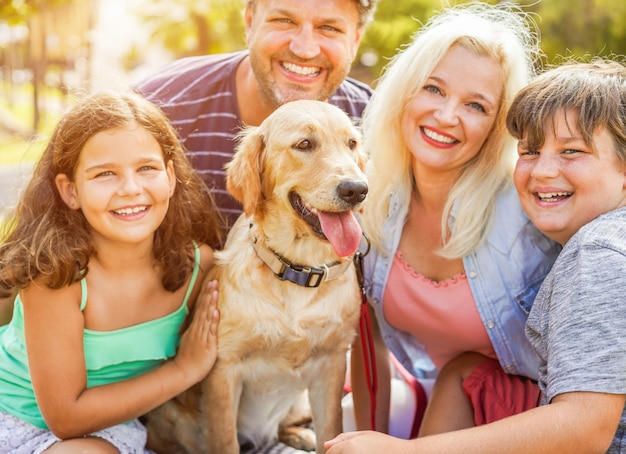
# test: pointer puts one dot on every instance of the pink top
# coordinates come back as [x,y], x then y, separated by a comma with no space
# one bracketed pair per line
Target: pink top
[442,316]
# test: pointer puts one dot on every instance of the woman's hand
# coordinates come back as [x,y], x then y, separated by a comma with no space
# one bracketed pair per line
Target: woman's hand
[198,345]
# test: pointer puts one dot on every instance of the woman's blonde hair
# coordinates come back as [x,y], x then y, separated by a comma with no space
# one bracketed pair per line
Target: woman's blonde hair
[49,240]
[501,32]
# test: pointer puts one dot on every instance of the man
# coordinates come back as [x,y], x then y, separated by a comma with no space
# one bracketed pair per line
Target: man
[297,49]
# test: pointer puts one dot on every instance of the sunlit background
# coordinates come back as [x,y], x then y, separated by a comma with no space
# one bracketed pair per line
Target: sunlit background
[53,50]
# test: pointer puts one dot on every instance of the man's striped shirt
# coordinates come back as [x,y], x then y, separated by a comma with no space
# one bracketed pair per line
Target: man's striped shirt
[198,95]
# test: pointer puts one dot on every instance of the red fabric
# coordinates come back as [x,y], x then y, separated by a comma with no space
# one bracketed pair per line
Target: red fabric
[494,394]
[369,358]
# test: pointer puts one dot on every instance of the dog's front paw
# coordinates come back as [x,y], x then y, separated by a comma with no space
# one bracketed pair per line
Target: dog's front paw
[298,437]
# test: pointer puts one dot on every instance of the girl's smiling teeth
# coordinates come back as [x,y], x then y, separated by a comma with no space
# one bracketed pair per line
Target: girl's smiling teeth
[553,196]
[432,135]
[310,71]
[130,210]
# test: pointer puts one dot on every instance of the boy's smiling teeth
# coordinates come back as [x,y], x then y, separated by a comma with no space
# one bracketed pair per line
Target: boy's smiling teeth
[437,137]
[301,70]
[552,196]
[127,211]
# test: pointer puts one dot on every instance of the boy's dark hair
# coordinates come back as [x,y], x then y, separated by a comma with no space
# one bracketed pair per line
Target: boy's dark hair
[594,92]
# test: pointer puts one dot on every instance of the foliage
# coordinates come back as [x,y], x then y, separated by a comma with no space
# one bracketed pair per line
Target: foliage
[581,28]
[17,12]
[195,27]
[394,23]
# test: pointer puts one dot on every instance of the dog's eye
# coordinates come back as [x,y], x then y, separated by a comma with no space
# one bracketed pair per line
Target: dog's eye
[304,145]
[352,144]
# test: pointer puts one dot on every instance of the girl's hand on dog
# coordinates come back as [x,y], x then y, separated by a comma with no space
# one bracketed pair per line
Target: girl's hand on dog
[198,345]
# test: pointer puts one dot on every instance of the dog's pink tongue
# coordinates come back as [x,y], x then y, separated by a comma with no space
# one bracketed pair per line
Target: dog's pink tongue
[342,230]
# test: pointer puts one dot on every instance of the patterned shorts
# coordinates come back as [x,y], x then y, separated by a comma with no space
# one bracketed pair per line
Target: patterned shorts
[19,437]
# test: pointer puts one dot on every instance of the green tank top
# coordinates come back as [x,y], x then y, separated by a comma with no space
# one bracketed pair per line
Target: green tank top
[110,356]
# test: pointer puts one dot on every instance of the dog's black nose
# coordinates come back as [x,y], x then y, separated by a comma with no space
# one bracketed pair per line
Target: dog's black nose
[352,192]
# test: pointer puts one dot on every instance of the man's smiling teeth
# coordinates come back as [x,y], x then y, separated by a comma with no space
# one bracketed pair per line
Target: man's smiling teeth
[127,211]
[552,196]
[437,137]
[301,70]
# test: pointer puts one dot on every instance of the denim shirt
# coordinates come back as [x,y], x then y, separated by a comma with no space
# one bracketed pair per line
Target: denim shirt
[504,275]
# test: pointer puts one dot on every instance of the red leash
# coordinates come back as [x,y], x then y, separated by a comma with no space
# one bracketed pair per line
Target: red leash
[367,340]
[369,356]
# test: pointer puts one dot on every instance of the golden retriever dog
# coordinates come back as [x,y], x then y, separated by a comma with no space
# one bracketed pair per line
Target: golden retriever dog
[289,297]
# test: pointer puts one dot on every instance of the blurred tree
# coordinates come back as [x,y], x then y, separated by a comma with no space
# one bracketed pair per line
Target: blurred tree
[394,23]
[568,28]
[56,43]
[16,12]
[195,27]
[581,28]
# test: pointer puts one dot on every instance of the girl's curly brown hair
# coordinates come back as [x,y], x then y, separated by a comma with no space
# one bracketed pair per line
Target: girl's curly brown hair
[46,239]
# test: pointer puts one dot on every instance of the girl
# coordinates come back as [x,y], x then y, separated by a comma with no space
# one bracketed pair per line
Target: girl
[108,251]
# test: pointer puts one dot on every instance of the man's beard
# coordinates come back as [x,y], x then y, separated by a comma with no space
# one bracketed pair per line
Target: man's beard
[278,97]
[275,96]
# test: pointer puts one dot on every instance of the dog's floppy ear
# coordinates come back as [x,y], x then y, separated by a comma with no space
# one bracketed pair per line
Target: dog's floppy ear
[243,172]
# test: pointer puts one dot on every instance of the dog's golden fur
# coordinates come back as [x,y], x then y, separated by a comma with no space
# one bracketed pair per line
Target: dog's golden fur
[277,339]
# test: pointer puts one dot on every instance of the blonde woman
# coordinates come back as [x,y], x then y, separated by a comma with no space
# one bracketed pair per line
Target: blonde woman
[455,263]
